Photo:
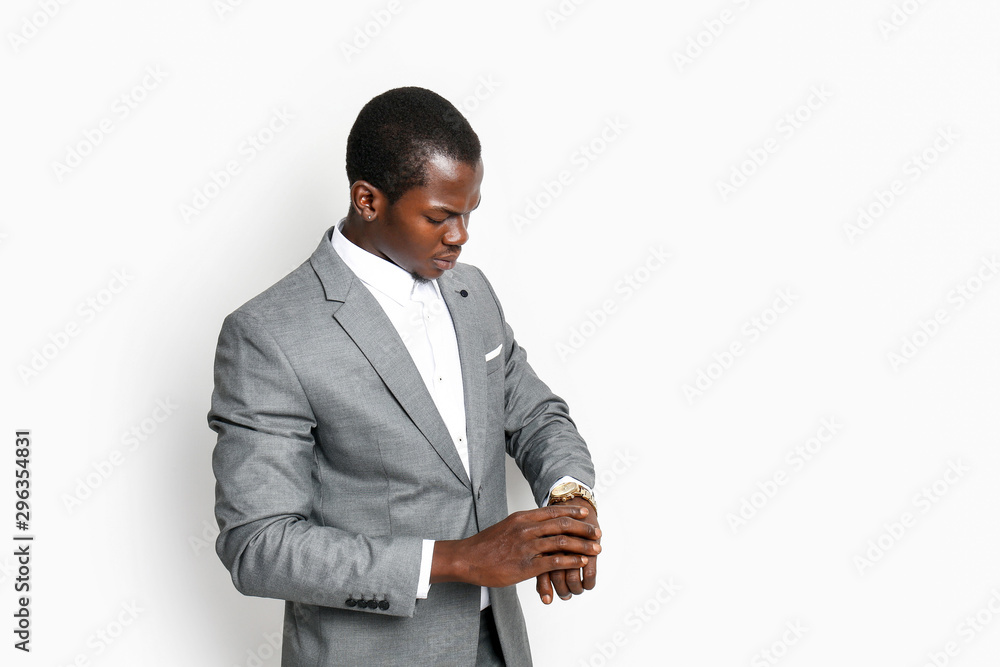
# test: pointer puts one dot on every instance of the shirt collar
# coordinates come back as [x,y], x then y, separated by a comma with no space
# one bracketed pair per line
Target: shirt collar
[393,281]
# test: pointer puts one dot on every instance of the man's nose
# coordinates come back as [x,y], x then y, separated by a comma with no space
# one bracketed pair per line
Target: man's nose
[458,231]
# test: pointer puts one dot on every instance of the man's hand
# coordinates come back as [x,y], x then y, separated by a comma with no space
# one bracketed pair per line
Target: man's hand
[524,545]
[569,582]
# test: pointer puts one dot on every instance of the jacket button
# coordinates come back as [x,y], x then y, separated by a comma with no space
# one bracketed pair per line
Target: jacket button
[383,605]
[350,602]
[373,603]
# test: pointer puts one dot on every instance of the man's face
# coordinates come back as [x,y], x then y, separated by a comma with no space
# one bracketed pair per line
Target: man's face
[423,232]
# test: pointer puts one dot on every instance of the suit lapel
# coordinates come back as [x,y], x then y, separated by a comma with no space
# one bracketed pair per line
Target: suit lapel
[472,356]
[363,319]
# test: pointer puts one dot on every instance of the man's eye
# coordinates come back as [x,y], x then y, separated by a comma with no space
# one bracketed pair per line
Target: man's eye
[433,220]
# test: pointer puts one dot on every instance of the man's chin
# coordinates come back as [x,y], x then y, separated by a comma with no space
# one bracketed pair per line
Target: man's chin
[426,276]
[432,270]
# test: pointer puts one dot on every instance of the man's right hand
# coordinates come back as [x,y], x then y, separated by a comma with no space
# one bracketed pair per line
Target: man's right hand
[520,547]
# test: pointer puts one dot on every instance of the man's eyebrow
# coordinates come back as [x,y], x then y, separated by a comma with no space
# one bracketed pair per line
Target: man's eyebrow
[445,209]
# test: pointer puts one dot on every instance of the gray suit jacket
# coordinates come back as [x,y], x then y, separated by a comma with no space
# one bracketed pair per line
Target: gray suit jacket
[333,463]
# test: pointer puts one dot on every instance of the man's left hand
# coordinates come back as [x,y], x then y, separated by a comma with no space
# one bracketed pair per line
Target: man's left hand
[568,583]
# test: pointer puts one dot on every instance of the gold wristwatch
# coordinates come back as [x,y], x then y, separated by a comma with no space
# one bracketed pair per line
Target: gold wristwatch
[567,490]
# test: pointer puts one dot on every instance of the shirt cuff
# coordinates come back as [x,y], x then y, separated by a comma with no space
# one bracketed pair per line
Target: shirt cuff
[424,582]
[567,478]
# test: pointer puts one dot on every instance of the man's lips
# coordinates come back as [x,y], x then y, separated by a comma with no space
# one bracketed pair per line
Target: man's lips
[446,262]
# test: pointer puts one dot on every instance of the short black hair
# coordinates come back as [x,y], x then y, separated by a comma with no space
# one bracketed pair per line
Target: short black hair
[397,132]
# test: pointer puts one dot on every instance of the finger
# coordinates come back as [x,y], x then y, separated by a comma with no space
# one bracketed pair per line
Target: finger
[590,574]
[552,563]
[573,582]
[558,578]
[556,511]
[543,585]
[565,543]
[567,526]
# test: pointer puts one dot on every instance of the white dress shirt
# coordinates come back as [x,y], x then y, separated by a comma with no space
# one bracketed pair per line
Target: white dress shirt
[421,317]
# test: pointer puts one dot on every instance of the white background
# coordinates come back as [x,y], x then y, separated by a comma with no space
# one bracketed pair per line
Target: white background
[682,582]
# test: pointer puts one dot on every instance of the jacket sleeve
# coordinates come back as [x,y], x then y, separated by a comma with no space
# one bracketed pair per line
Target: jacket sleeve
[266,489]
[541,437]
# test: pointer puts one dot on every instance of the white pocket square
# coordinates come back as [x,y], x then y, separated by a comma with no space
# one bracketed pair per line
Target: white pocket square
[494,353]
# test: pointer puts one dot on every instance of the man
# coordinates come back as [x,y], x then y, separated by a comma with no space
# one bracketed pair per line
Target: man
[364,405]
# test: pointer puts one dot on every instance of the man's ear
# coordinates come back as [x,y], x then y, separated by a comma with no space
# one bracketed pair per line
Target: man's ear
[367,200]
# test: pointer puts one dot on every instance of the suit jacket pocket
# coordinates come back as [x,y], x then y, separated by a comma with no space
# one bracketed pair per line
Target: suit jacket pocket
[494,359]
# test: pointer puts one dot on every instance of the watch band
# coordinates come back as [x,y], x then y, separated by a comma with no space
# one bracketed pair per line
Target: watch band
[569,490]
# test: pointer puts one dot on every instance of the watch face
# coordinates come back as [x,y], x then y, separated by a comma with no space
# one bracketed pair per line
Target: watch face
[564,488]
